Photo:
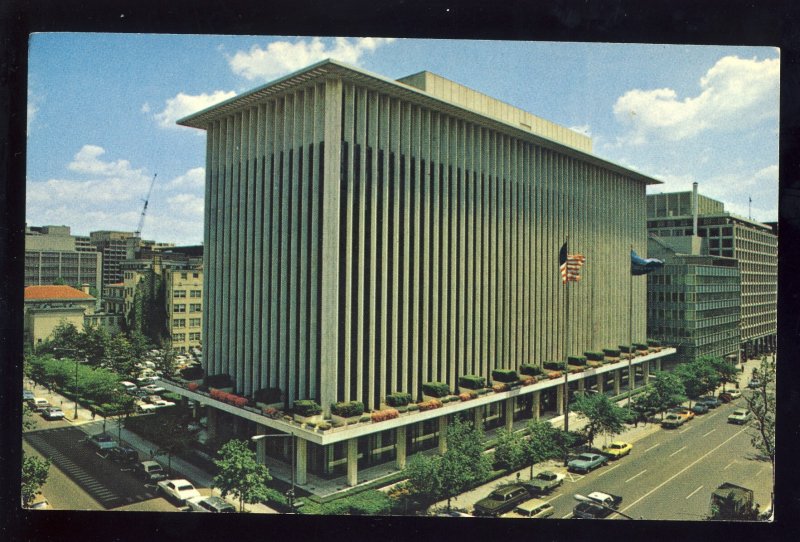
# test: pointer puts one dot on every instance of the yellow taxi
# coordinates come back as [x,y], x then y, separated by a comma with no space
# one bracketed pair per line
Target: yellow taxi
[617,449]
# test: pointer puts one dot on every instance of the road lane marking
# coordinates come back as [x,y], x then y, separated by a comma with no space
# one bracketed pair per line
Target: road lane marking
[709,432]
[635,476]
[729,464]
[654,446]
[684,469]
[685,429]
[568,515]
[677,451]
[693,492]
[554,498]
[607,471]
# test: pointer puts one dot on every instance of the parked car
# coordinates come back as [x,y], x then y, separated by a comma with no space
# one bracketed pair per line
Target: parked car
[617,449]
[754,383]
[102,442]
[599,505]
[39,405]
[210,504]
[27,395]
[587,462]
[178,490]
[123,454]
[735,393]
[709,400]
[153,389]
[699,408]
[53,413]
[533,509]
[686,413]
[146,408]
[149,471]
[725,397]
[161,403]
[127,386]
[501,500]
[39,503]
[740,416]
[452,513]
[671,421]
[544,481]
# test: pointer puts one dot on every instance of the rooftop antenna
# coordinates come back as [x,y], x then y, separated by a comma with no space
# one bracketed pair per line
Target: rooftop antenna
[749,204]
[138,231]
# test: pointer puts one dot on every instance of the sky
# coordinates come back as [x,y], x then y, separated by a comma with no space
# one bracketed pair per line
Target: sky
[102,110]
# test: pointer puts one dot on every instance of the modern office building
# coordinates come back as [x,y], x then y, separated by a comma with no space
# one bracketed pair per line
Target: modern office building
[753,244]
[365,236]
[113,245]
[53,255]
[693,301]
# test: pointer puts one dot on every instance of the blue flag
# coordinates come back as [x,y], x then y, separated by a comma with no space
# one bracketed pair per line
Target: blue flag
[641,266]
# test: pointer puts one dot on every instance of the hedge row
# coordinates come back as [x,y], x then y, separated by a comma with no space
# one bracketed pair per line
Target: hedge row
[554,365]
[347,409]
[472,382]
[594,356]
[611,352]
[505,375]
[306,407]
[268,395]
[579,361]
[531,370]
[435,389]
[398,399]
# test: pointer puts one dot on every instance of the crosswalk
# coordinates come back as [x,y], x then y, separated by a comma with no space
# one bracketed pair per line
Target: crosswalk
[53,445]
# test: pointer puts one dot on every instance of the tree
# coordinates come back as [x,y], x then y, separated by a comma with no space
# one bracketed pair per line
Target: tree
[733,508]
[120,407]
[604,417]
[668,390]
[762,404]
[509,452]
[119,356]
[544,442]
[698,377]
[725,370]
[462,466]
[34,475]
[240,473]
[139,344]
[94,344]
[64,341]
[166,362]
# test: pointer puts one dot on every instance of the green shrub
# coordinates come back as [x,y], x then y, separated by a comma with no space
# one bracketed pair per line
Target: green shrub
[484,391]
[398,399]
[626,348]
[306,407]
[348,409]
[611,352]
[170,396]
[219,381]
[472,382]
[640,346]
[528,369]
[579,361]
[367,503]
[505,375]
[653,342]
[594,356]
[435,389]
[268,395]
[412,408]
[195,372]
[555,365]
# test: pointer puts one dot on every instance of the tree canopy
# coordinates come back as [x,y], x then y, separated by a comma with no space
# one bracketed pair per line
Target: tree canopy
[34,475]
[604,417]
[240,473]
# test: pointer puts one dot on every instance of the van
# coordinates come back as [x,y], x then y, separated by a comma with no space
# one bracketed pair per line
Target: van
[127,386]
[39,405]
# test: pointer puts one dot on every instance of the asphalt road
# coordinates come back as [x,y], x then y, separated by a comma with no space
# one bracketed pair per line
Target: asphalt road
[671,473]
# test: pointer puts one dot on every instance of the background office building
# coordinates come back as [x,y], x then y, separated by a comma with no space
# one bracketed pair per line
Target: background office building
[693,301]
[753,244]
[365,236]
[53,255]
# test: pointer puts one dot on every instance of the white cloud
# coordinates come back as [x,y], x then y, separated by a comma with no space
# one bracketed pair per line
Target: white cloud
[87,160]
[195,178]
[733,93]
[182,105]
[145,107]
[282,57]
[187,204]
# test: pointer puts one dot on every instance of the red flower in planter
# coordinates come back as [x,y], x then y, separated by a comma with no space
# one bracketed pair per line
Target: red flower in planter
[528,381]
[429,405]
[465,396]
[192,386]
[553,374]
[383,415]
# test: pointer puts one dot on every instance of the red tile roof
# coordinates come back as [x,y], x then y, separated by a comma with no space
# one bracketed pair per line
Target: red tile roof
[54,292]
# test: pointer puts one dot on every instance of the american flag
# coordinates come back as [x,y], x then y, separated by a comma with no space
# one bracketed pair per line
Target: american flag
[570,265]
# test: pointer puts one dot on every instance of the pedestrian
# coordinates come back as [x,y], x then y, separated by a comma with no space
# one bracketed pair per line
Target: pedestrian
[518,475]
[93,414]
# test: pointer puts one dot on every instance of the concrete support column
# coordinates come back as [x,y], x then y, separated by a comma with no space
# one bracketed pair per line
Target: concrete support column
[352,462]
[211,423]
[617,381]
[560,399]
[601,380]
[261,445]
[301,462]
[400,447]
[632,378]
[658,364]
[645,373]
[582,384]
[537,402]
[477,419]
[442,434]
[509,413]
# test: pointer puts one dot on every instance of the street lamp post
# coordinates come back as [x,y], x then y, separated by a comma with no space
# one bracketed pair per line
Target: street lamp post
[75,416]
[291,493]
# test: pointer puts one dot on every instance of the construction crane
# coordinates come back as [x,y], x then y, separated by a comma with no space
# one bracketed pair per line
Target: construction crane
[138,232]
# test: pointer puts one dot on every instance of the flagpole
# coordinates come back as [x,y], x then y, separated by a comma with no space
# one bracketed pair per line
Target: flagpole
[631,376]
[566,350]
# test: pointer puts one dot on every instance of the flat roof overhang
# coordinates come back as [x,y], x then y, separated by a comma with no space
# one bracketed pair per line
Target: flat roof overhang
[340,434]
[331,68]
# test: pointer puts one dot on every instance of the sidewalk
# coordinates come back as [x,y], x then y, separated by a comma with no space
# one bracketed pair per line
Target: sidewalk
[94,425]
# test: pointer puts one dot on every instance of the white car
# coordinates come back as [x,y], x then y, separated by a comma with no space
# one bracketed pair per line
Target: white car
[153,389]
[740,416]
[178,490]
[53,413]
[127,386]
[161,403]
[734,393]
[146,408]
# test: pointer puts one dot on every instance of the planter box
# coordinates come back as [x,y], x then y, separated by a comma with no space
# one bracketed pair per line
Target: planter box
[229,389]
[316,418]
[345,421]
[276,406]
[576,368]
[592,363]
[186,383]
[610,360]
[426,398]
[554,374]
